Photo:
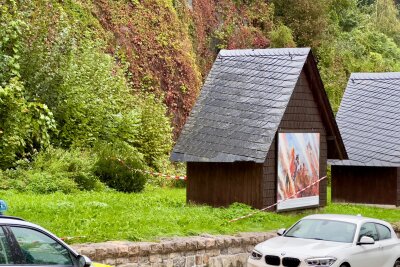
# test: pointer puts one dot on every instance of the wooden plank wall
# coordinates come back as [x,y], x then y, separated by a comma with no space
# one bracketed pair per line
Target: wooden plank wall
[221,184]
[369,185]
[302,115]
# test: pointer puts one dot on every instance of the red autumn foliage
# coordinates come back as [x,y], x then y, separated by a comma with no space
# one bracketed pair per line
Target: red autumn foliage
[170,49]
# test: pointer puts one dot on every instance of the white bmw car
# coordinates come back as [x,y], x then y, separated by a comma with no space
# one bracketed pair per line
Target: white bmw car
[331,240]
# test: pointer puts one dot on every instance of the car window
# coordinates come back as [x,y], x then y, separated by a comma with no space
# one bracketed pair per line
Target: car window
[369,229]
[320,229]
[5,252]
[38,248]
[383,231]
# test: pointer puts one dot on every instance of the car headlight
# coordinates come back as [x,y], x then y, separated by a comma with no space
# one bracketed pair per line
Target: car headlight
[321,261]
[256,255]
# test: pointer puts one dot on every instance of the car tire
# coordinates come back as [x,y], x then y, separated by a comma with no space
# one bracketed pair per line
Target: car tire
[346,265]
[397,263]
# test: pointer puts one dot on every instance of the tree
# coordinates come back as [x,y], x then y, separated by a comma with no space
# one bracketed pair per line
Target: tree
[307,18]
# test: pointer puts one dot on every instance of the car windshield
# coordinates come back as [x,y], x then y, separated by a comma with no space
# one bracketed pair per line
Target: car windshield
[327,230]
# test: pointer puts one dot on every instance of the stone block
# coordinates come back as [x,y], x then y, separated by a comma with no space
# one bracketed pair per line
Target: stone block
[175,255]
[179,262]
[181,245]
[156,248]
[155,258]
[133,259]
[201,243]
[169,247]
[101,253]
[144,249]
[199,259]
[110,261]
[235,250]
[191,244]
[210,243]
[144,260]
[228,241]
[201,252]
[122,251]
[133,250]
[190,261]
[206,259]
[213,252]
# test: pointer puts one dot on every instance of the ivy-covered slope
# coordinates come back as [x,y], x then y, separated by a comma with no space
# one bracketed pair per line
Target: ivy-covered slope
[170,45]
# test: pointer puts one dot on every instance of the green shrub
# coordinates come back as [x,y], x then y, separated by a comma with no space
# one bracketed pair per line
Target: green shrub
[75,164]
[155,132]
[282,36]
[24,126]
[54,170]
[40,182]
[116,167]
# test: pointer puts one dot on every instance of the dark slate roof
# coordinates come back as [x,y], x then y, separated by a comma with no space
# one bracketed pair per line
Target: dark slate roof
[369,120]
[240,106]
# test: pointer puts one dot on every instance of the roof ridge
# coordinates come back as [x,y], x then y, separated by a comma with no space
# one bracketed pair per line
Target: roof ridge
[268,52]
[375,76]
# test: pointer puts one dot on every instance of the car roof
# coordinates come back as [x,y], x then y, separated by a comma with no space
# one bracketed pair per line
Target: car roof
[345,218]
[9,220]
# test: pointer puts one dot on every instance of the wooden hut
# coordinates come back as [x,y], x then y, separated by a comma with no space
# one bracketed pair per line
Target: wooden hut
[369,120]
[232,143]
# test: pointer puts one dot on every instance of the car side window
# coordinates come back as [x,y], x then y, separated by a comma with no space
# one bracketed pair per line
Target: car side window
[5,251]
[39,249]
[383,231]
[369,229]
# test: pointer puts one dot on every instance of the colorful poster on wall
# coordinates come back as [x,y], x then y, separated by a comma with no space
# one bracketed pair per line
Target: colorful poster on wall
[298,167]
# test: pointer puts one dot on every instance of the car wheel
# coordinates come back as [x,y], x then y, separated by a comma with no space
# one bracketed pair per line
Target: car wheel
[397,263]
[345,265]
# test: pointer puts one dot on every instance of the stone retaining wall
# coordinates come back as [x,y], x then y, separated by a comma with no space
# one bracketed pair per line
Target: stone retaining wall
[205,250]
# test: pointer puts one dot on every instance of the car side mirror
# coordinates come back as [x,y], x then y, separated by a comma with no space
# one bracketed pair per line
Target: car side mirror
[84,261]
[281,232]
[366,240]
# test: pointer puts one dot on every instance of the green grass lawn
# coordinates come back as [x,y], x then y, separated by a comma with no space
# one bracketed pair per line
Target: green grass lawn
[152,214]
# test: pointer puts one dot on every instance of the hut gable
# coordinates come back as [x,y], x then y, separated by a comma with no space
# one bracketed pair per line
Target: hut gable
[368,119]
[243,102]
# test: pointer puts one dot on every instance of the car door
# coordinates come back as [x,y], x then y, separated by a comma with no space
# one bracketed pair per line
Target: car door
[367,255]
[387,244]
[35,248]
[6,254]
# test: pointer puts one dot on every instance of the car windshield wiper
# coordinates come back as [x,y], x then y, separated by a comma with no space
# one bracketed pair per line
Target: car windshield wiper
[317,238]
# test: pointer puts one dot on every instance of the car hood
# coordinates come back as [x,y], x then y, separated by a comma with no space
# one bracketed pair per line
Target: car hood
[299,247]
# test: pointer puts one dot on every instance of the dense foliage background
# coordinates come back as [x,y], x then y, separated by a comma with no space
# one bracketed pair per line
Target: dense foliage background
[87,86]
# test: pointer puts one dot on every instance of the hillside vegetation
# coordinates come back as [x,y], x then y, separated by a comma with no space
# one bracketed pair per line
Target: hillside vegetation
[92,90]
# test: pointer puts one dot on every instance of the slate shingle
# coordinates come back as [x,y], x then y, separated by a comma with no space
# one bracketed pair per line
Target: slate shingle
[240,106]
[369,120]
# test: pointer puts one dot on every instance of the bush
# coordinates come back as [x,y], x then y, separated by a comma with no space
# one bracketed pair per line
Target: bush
[282,36]
[75,164]
[40,182]
[154,139]
[116,167]
[24,126]
[54,170]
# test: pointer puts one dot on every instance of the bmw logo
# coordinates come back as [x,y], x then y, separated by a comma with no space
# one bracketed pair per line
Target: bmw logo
[283,253]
